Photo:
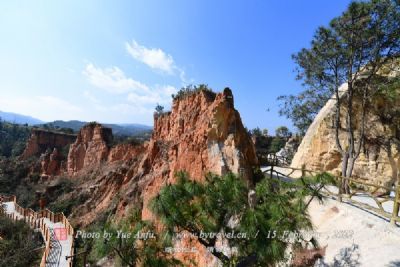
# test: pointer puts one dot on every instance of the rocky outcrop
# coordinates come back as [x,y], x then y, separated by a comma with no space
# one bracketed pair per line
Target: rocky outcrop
[51,163]
[124,152]
[202,133]
[42,140]
[289,150]
[378,162]
[51,148]
[91,147]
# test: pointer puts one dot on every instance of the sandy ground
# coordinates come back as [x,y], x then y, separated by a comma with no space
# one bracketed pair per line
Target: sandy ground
[354,237]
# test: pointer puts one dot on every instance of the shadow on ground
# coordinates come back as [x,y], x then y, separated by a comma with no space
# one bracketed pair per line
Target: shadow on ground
[394,264]
[347,257]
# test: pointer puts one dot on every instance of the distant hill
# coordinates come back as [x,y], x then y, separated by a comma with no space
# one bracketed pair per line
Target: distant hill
[118,129]
[18,118]
[124,129]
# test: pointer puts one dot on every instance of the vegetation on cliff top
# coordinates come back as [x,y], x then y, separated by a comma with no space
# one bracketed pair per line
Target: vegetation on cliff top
[192,89]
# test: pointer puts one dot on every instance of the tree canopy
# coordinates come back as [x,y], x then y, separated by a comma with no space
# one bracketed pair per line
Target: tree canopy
[352,51]
[283,132]
[353,47]
[224,204]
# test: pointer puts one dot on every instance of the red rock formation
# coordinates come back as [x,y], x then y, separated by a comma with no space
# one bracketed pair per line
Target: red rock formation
[124,152]
[90,148]
[42,140]
[202,133]
[51,163]
[93,146]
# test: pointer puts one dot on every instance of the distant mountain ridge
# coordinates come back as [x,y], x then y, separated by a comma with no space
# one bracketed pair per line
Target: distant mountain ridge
[19,118]
[127,129]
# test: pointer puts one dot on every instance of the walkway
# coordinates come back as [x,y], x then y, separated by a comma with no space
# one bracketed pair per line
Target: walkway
[351,233]
[59,249]
[363,198]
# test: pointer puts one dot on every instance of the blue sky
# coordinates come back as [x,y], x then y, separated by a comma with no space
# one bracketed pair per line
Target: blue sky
[112,61]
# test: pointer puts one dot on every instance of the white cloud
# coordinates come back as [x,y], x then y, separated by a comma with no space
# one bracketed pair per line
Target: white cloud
[161,95]
[112,79]
[46,108]
[91,97]
[144,99]
[169,90]
[130,109]
[140,96]
[155,58]
[52,101]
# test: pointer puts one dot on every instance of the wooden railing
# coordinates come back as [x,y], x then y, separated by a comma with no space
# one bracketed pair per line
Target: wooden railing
[380,194]
[36,221]
[295,172]
[274,160]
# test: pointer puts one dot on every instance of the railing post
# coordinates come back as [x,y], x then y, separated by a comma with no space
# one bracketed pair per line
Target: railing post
[340,189]
[395,212]
[272,169]
[303,170]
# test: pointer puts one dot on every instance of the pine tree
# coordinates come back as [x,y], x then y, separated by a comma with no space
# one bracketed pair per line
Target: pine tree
[133,242]
[222,205]
[353,50]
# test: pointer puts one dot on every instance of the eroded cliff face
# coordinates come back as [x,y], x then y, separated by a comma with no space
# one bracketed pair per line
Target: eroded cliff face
[91,147]
[378,162]
[48,146]
[42,140]
[202,133]
[124,152]
[52,163]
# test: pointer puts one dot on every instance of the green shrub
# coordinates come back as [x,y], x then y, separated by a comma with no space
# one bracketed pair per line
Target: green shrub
[13,138]
[273,208]
[277,144]
[133,251]
[20,245]
[192,89]
[67,205]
